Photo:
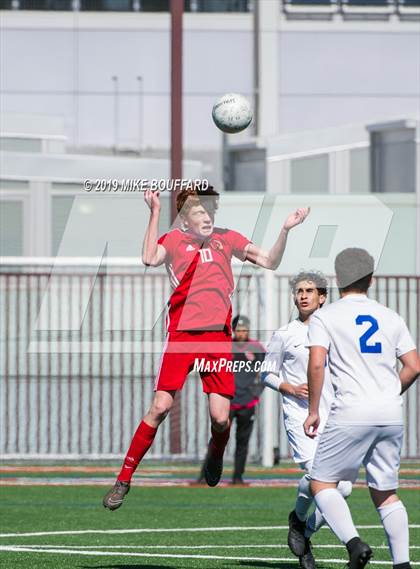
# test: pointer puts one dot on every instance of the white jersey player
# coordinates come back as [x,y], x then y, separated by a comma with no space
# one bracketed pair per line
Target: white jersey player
[363,340]
[288,355]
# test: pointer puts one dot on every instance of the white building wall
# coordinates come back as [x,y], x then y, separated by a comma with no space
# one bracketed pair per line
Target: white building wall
[330,73]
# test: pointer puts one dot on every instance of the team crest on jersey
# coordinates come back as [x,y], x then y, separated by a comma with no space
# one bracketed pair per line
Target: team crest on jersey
[216,244]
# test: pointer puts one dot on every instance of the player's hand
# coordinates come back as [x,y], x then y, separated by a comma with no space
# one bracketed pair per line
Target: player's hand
[310,426]
[301,391]
[152,200]
[296,218]
[250,356]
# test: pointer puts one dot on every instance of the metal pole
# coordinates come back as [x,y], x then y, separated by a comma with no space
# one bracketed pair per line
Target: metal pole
[268,397]
[256,66]
[177,8]
[227,178]
[115,81]
[140,80]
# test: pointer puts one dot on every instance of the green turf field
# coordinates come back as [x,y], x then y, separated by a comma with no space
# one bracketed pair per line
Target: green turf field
[73,509]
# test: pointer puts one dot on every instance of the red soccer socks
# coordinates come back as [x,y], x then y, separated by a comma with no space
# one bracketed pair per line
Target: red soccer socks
[218,442]
[142,441]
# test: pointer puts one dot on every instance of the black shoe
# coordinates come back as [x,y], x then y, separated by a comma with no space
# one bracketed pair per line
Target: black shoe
[359,553]
[213,468]
[113,499]
[296,535]
[307,560]
[239,481]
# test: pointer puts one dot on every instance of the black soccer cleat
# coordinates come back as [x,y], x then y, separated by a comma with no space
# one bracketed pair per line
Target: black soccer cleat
[239,481]
[307,560]
[359,553]
[113,499]
[296,536]
[213,468]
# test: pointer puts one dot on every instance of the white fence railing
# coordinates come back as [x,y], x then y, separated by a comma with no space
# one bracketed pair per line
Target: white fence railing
[76,385]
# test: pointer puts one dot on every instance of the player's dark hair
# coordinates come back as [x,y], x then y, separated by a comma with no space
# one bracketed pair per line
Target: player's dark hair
[190,197]
[313,276]
[354,269]
[241,321]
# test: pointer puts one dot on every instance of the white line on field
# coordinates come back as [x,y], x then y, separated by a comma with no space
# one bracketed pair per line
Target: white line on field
[170,555]
[170,530]
[187,547]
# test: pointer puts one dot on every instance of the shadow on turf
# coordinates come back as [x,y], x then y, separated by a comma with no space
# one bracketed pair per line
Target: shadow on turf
[253,565]
[123,566]
[275,564]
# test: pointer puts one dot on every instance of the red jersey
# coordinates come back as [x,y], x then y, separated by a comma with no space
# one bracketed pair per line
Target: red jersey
[200,272]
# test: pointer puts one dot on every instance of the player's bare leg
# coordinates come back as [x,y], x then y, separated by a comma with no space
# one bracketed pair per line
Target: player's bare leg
[140,444]
[395,521]
[219,407]
[337,514]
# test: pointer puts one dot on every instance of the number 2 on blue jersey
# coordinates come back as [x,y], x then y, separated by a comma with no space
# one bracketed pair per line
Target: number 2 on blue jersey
[366,348]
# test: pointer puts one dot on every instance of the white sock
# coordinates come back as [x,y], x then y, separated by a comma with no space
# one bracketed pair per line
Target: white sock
[395,521]
[345,488]
[316,519]
[304,498]
[336,513]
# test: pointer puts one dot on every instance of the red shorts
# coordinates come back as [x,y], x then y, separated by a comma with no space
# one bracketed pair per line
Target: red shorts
[209,353]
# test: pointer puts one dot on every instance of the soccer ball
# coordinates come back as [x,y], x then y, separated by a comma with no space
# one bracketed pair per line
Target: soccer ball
[232,113]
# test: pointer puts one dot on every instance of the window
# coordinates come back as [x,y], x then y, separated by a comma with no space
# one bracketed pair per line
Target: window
[393,160]
[128,5]
[60,211]
[309,175]
[217,5]
[45,5]
[359,171]
[20,144]
[11,228]
[106,5]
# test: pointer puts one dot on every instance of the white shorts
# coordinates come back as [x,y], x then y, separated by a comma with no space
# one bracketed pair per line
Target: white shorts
[342,449]
[303,447]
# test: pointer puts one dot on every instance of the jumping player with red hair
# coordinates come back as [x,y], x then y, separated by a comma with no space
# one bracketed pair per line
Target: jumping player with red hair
[198,261]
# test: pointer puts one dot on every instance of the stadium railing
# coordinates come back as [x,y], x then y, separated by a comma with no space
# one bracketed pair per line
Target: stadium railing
[80,348]
[352,8]
[126,5]
[289,6]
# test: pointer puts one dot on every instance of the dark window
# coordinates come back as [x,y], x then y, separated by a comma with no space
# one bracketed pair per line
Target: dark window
[310,2]
[45,5]
[128,5]
[218,5]
[378,3]
[106,5]
[154,5]
[393,160]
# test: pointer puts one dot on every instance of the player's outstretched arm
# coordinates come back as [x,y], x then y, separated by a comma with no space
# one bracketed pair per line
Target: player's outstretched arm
[271,259]
[153,253]
[316,369]
[410,370]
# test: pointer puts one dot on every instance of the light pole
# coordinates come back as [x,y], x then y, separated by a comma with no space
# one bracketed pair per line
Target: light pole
[177,10]
[140,81]
[116,118]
